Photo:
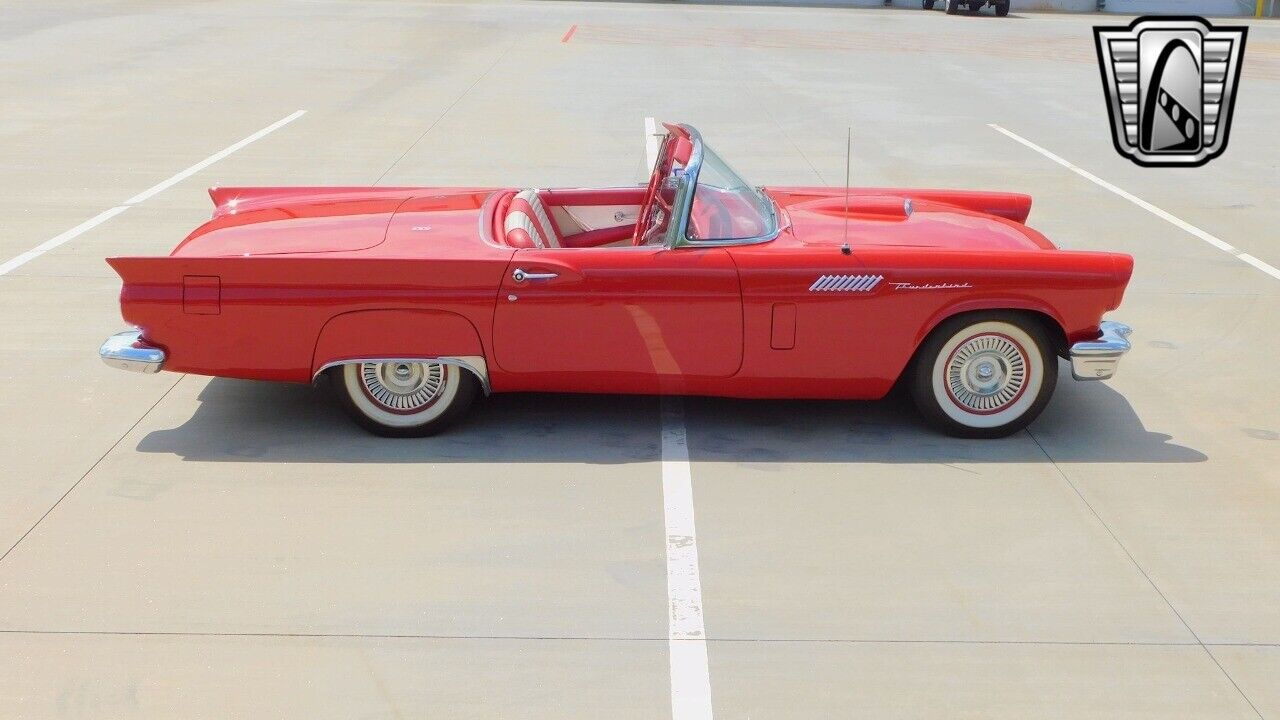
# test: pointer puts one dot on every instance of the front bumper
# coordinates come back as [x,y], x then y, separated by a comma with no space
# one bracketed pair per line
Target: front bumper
[1098,359]
[128,351]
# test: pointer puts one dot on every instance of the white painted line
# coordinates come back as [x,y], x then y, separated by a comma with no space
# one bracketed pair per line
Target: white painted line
[165,185]
[46,246]
[1167,217]
[686,635]
[651,136]
[54,242]
[1264,267]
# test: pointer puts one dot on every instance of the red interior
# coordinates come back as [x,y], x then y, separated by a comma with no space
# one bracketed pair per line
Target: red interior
[571,197]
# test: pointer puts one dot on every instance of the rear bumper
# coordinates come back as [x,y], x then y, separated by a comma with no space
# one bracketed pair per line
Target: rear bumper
[127,351]
[1098,359]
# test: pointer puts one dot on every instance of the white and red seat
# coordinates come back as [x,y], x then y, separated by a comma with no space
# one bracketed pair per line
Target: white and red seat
[528,224]
[553,218]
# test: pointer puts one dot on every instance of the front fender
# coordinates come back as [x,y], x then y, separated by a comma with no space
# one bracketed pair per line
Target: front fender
[986,303]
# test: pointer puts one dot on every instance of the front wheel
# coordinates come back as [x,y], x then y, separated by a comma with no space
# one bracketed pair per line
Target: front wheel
[928,4]
[952,6]
[985,375]
[403,398]
[1002,9]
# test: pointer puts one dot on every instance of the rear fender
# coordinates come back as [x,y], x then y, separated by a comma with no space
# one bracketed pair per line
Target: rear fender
[400,335]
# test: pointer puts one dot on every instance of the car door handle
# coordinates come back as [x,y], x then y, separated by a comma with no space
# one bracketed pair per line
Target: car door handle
[520,275]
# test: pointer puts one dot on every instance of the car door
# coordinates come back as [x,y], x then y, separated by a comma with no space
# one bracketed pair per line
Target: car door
[619,319]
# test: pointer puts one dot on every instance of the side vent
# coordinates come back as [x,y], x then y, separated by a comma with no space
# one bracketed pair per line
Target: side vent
[846,283]
[783,335]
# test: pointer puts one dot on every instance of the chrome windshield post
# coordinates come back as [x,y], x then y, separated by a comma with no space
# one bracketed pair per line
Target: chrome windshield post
[686,187]
[682,205]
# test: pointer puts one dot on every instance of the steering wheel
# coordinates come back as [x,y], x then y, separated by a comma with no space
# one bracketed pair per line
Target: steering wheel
[653,202]
[646,207]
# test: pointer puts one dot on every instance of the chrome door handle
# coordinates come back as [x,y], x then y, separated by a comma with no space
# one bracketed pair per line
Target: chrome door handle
[520,275]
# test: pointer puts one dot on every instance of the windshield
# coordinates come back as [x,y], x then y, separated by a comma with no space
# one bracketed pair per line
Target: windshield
[725,207]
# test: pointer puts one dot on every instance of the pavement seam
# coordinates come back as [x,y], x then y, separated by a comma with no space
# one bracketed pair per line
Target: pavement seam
[790,140]
[92,467]
[435,122]
[1144,572]
[618,638]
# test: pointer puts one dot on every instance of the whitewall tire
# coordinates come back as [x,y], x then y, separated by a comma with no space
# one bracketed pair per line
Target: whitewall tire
[403,398]
[984,374]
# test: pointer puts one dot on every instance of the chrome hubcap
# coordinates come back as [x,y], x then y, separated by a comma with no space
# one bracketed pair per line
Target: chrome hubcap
[403,387]
[986,373]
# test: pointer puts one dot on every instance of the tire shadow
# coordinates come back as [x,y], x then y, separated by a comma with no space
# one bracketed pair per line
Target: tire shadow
[247,421]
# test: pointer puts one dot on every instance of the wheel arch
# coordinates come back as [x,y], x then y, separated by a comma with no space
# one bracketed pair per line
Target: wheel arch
[382,335]
[1042,316]
[1041,313]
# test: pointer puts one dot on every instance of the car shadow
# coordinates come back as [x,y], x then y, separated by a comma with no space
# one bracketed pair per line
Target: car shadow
[246,421]
[1084,423]
[990,13]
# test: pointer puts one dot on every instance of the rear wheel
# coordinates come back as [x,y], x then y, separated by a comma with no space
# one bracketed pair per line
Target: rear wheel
[952,6]
[1002,9]
[403,398]
[928,4]
[976,6]
[984,375]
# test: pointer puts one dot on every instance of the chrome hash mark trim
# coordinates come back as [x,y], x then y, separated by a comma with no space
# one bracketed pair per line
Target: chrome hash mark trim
[846,283]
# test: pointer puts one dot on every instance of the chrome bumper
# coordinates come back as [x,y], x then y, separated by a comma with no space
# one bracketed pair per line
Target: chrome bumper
[1097,359]
[127,351]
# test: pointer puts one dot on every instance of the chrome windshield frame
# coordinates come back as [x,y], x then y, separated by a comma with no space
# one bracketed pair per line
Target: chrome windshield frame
[682,206]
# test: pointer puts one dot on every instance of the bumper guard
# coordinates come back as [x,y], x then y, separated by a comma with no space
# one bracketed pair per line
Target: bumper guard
[1098,359]
[127,351]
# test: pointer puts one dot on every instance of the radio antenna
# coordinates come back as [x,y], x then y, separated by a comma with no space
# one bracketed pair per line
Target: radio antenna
[848,151]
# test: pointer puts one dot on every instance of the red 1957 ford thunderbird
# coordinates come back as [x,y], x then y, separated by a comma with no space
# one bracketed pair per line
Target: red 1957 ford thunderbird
[415,299]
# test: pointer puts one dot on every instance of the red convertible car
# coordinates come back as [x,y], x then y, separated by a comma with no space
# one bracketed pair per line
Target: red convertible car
[413,300]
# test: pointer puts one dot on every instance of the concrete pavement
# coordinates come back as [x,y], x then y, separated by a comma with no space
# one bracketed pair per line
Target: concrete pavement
[213,548]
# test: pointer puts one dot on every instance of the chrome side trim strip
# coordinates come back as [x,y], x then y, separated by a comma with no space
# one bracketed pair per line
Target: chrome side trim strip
[473,363]
[127,351]
[1098,359]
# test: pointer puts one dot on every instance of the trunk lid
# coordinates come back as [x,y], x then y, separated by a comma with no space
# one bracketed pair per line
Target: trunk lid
[285,221]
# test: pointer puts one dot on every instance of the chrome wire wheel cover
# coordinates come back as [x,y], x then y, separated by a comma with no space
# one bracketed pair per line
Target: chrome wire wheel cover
[986,373]
[403,388]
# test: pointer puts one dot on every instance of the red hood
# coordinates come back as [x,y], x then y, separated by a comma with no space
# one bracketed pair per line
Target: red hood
[279,221]
[947,219]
